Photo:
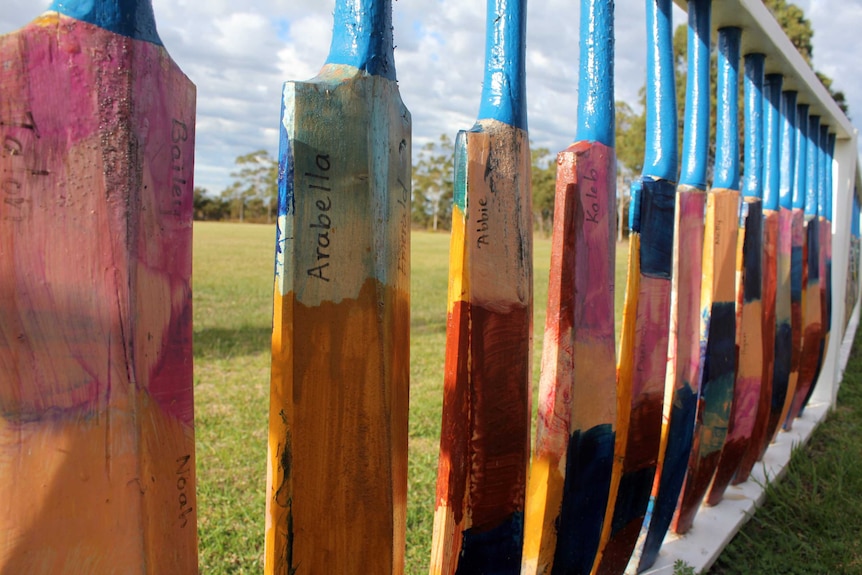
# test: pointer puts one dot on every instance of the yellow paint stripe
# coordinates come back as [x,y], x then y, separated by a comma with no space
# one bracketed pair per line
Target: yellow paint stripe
[625,375]
[47,19]
[459,280]
[544,497]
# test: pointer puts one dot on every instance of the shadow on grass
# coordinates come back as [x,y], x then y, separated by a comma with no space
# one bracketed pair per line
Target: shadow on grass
[223,343]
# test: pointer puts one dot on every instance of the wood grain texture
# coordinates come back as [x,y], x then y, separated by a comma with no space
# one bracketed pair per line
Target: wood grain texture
[683,372]
[749,369]
[718,351]
[96,397]
[337,456]
[640,374]
[485,440]
[570,475]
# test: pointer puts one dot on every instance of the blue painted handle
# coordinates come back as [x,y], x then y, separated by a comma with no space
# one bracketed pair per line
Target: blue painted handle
[830,156]
[504,95]
[596,82]
[132,18]
[362,36]
[695,141]
[772,135]
[854,218]
[662,156]
[800,184]
[788,149]
[753,182]
[825,171]
[812,192]
[727,124]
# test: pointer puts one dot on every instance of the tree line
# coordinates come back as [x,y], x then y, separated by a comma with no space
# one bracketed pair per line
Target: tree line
[252,196]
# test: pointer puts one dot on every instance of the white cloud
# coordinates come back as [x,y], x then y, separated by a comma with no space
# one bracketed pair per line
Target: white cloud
[836,40]
[239,55]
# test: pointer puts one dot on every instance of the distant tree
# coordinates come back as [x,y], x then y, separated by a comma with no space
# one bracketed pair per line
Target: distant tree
[433,185]
[208,207]
[630,149]
[798,28]
[630,140]
[838,96]
[232,197]
[201,200]
[794,23]
[543,180]
[255,186]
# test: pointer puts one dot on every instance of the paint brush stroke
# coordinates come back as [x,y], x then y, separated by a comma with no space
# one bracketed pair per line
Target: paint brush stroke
[96,386]
[640,417]
[571,471]
[718,341]
[796,327]
[783,329]
[759,439]
[683,372]
[812,333]
[750,353]
[485,438]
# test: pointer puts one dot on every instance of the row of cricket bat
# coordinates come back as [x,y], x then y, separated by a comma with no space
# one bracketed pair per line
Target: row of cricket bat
[722,328]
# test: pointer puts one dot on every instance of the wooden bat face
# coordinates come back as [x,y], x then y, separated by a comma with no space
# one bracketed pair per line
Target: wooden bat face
[96,169]
[642,370]
[683,366]
[485,439]
[750,355]
[484,446]
[718,343]
[571,472]
[337,460]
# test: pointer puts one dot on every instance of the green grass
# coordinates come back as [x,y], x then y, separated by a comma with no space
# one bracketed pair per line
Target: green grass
[232,285]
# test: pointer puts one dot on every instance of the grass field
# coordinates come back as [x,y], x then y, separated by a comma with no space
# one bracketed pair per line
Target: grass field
[233,269]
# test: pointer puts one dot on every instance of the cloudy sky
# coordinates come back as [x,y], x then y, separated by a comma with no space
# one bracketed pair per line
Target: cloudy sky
[239,54]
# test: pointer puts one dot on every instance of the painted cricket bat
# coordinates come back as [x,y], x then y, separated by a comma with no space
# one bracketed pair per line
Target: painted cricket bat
[570,476]
[829,199]
[783,380]
[337,457]
[485,439]
[824,207]
[748,394]
[96,398]
[813,330]
[851,296]
[771,188]
[718,292]
[645,328]
[796,262]
[682,378]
